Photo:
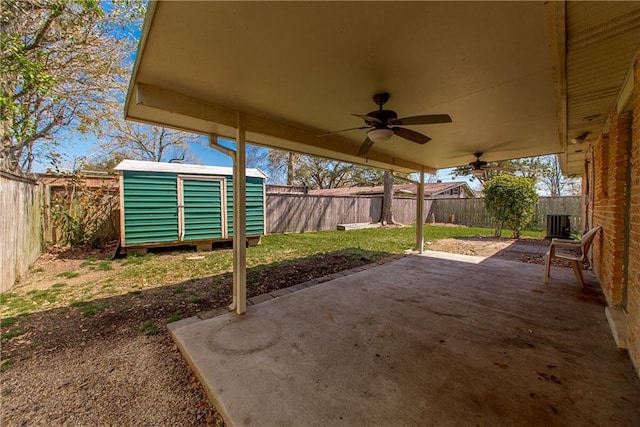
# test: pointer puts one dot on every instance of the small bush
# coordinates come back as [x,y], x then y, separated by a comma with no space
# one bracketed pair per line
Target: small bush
[511,200]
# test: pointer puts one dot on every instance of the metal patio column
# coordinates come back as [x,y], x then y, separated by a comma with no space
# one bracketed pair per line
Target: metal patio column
[240,220]
[420,215]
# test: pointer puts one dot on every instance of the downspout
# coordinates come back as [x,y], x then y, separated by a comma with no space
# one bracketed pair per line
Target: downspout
[239,302]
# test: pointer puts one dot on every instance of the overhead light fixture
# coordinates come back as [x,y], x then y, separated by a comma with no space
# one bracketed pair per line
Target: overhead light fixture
[580,139]
[378,135]
[478,173]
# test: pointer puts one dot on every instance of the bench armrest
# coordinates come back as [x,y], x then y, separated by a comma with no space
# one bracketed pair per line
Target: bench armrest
[566,243]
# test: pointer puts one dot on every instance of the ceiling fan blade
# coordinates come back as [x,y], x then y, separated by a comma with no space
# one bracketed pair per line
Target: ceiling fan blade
[422,120]
[343,130]
[411,135]
[366,118]
[365,147]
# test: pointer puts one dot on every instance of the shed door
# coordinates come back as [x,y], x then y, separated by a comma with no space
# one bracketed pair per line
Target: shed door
[202,208]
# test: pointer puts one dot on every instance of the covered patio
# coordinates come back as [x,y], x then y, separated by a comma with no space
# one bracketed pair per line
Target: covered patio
[434,339]
[438,339]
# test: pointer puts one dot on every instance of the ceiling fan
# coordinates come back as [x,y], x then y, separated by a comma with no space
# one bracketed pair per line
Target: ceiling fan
[478,166]
[382,125]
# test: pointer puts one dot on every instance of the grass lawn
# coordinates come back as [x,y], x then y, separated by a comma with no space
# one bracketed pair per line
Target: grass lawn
[95,279]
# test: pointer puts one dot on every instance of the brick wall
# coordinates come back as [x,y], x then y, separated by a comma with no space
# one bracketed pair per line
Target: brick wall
[633,291]
[608,208]
[607,175]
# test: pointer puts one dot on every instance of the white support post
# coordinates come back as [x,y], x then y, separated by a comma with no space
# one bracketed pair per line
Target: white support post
[240,221]
[420,215]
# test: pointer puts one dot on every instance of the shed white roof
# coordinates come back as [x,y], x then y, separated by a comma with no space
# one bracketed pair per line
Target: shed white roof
[146,166]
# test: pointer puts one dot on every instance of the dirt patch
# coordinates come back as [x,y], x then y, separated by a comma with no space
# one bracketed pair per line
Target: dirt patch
[528,250]
[110,361]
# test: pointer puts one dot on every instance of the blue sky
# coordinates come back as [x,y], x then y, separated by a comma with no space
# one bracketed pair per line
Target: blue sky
[75,146]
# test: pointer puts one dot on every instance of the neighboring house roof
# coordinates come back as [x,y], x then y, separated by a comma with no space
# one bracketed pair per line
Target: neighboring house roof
[146,166]
[430,189]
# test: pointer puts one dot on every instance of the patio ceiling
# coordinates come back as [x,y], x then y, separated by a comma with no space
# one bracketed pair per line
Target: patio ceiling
[298,69]
[518,78]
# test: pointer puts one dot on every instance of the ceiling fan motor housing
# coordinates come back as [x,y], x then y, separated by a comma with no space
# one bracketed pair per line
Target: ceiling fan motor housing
[383,115]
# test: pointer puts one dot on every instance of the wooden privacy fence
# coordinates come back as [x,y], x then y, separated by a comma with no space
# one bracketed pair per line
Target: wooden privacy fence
[80,208]
[472,213]
[301,213]
[293,213]
[21,201]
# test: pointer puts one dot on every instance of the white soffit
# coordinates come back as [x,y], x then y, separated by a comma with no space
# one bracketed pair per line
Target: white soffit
[603,39]
[298,69]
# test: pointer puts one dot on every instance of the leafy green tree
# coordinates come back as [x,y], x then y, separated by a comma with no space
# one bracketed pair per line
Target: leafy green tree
[64,65]
[511,200]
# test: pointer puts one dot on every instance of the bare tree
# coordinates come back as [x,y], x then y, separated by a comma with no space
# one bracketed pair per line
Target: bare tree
[554,182]
[530,167]
[145,142]
[61,63]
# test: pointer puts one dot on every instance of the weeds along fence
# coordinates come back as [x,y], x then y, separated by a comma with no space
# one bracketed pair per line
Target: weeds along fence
[295,213]
[80,209]
[21,201]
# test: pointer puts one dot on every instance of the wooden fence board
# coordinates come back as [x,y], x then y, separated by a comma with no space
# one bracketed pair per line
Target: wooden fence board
[20,226]
[302,213]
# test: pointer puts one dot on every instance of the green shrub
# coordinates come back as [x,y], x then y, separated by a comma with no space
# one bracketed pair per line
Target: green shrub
[511,200]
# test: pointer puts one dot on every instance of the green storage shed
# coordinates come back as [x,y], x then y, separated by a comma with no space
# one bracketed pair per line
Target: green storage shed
[169,204]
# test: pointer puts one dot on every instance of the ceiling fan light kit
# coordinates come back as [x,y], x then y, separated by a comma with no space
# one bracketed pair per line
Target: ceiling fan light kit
[478,173]
[478,166]
[378,123]
[380,135]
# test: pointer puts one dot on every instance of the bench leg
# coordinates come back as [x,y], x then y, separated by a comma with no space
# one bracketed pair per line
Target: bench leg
[577,269]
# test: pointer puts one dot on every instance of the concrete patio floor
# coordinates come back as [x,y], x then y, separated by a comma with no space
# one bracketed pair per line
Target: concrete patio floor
[439,339]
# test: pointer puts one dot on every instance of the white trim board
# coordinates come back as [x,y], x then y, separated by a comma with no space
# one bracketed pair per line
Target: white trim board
[146,166]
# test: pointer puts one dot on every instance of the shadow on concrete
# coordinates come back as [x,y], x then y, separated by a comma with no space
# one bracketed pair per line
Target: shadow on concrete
[101,319]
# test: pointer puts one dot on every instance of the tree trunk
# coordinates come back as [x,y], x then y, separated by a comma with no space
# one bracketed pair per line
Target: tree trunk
[387,200]
[291,165]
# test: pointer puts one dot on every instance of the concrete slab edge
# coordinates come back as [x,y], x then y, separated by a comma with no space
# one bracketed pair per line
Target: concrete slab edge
[174,326]
[618,323]
[222,410]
